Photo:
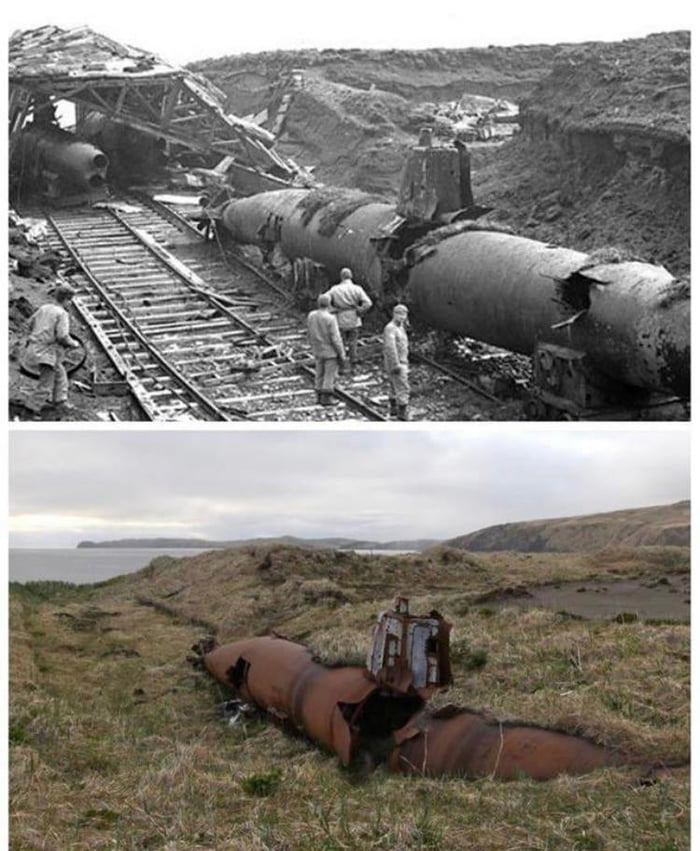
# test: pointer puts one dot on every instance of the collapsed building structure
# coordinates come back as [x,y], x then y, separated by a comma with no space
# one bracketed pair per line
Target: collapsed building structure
[133,104]
[381,711]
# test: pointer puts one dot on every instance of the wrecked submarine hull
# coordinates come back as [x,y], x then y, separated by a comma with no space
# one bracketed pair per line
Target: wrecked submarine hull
[281,677]
[630,319]
[458,743]
[302,225]
[46,153]
[347,711]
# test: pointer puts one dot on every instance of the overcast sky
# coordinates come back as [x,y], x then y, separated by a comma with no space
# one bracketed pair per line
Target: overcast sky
[70,485]
[183,32]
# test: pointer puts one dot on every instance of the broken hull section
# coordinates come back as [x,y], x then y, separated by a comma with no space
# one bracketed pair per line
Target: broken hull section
[346,712]
[459,743]
[631,319]
[325,704]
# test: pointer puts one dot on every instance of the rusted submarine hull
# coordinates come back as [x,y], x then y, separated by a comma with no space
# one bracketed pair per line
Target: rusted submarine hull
[455,742]
[631,319]
[344,709]
[280,677]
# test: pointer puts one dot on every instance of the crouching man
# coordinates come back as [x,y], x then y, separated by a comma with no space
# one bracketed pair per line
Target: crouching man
[326,347]
[396,362]
[49,337]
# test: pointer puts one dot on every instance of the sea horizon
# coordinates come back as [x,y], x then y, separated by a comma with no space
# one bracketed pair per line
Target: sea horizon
[87,565]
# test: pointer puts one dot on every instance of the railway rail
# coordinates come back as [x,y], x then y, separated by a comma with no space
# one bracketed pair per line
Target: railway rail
[198,333]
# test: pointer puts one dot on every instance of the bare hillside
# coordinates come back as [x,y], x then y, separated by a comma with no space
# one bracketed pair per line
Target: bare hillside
[417,75]
[603,157]
[662,525]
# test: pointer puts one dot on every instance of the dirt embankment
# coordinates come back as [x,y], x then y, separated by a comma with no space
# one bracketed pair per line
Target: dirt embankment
[351,137]
[603,158]
[665,525]
[417,75]
[359,111]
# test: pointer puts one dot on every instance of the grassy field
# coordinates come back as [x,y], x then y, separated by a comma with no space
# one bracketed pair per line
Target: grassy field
[116,744]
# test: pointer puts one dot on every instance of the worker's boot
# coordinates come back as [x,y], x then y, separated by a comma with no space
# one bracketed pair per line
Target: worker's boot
[403,413]
[328,399]
[393,408]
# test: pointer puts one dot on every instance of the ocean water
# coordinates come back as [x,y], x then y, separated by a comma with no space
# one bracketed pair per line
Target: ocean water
[82,566]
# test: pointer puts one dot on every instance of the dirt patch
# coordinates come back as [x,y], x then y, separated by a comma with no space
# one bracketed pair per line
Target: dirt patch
[665,598]
[561,191]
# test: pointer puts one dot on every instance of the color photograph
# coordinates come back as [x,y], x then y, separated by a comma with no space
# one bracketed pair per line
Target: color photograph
[267,640]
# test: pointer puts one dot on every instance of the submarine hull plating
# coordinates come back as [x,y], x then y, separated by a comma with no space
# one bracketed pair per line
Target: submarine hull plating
[631,319]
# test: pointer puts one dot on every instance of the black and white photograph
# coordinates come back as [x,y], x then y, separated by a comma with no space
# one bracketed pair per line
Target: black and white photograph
[326,217]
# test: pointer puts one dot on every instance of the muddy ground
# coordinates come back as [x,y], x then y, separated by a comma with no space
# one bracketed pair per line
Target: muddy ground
[26,296]
[666,598]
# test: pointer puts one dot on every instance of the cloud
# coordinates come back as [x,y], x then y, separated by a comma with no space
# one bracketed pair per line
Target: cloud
[363,483]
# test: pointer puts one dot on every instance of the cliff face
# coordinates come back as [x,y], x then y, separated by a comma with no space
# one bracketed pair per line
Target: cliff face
[604,154]
[664,525]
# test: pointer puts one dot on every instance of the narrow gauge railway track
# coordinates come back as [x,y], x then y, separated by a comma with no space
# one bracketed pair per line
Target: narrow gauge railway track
[201,334]
[189,348]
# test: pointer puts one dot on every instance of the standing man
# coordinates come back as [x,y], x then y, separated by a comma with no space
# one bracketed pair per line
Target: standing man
[396,362]
[327,348]
[349,302]
[49,337]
